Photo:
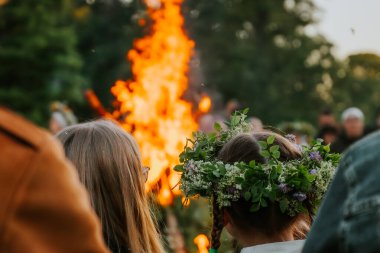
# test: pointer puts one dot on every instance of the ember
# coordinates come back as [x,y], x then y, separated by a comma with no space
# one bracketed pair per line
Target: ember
[202,243]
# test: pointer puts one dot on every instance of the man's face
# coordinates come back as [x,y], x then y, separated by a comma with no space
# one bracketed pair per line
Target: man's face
[329,138]
[353,127]
[326,120]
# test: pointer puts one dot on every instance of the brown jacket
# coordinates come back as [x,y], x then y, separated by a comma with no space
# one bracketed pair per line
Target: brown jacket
[43,207]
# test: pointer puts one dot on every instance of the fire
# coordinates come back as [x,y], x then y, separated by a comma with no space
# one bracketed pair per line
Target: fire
[202,243]
[152,105]
[94,102]
[165,195]
[185,201]
[205,104]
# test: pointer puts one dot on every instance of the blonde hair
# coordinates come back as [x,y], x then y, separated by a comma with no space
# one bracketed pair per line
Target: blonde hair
[109,165]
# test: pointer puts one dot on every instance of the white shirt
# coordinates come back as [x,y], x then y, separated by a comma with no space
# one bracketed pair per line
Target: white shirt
[277,247]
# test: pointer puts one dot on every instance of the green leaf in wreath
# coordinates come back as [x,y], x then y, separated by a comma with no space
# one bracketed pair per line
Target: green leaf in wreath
[263,144]
[252,163]
[284,204]
[274,148]
[265,154]
[240,180]
[247,195]
[216,173]
[182,157]
[276,154]
[263,203]
[272,195]
[217,127]
[235,120]
[212,137]
[270,139]
[255,207]
[179,168]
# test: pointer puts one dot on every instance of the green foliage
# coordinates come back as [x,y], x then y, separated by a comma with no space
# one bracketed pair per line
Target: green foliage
[106,31]
[38,59]
[260,53]
[256,51]
[295,184]
[357,83]
[206,146]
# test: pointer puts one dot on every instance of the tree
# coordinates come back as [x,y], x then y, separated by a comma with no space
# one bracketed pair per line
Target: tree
[357,83]
[38,59]
[106,30]
[260,53]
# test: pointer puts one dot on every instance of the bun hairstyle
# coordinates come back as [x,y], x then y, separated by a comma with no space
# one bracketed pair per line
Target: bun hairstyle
[269,220]
[109,165]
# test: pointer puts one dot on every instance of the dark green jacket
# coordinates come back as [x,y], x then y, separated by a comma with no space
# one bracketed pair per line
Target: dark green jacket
[349,218]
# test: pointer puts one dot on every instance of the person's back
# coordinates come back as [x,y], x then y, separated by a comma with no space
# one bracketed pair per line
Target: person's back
[43,206]
[349,218]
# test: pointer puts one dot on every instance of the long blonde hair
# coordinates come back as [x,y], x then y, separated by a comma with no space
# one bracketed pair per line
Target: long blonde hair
[109,165]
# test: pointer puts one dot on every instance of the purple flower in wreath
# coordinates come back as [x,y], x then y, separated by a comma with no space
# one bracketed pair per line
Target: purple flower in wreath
[299,196]
[191,168]
[231,190]
[315,156]
[284,188]
[313,172]
[291,137]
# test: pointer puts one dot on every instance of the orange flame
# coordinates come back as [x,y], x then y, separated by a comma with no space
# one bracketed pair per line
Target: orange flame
[94,102]
[202,243]
[155,113]
[205,104]
[185,201]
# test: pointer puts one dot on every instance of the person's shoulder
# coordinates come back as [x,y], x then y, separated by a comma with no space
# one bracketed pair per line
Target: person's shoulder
[370,142]
[36,178]
[21,131]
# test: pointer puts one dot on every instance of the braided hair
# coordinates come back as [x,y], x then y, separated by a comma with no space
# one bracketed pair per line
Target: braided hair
[217,224]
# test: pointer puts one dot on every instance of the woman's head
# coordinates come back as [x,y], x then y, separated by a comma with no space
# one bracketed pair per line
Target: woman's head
[269,221]
[109,165]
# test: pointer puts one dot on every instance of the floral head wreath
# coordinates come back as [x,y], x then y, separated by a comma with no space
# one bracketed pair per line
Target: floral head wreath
[296,185]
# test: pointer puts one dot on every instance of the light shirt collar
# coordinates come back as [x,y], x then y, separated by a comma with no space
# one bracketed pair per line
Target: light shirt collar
[277,247]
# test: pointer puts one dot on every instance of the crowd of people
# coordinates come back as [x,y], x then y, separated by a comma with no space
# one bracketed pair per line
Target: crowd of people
[351,129]
[82,190]
[340,134]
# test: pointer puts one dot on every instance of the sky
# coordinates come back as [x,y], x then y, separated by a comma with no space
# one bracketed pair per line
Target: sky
[352,25]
